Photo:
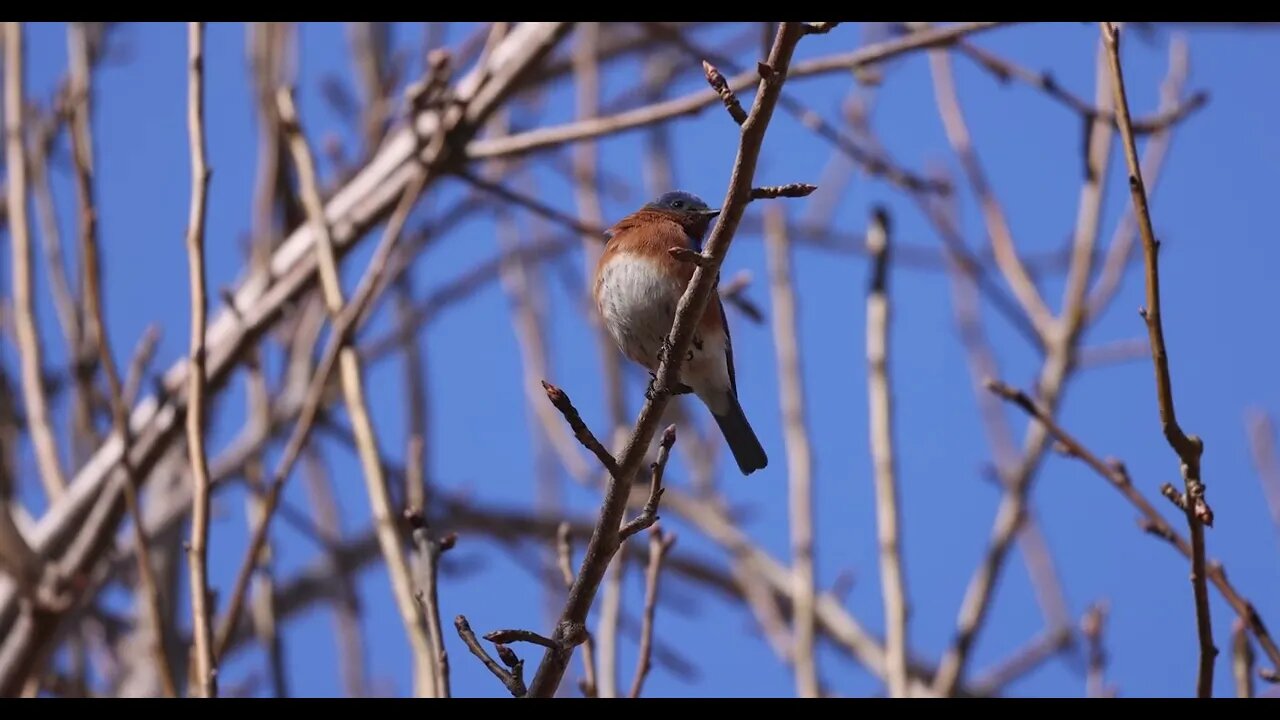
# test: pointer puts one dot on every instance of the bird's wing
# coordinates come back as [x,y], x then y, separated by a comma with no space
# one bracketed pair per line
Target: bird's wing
[728,343]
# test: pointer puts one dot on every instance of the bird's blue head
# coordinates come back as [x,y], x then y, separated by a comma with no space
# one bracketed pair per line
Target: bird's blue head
[687,209]
[679,202]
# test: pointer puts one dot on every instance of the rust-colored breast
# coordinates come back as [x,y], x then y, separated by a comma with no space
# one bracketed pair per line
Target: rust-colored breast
[652,234]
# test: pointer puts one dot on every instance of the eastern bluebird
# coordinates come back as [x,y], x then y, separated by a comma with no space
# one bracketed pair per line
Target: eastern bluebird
[637,288]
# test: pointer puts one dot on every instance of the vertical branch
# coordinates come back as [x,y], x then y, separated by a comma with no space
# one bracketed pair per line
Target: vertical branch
[1241,659]
[354,395]
[586,193]
[1265,459]
[564,560]
[24,318]
[607,630]
[1188,448]
[428,548]
[97,338]
[1091,628]
[888,514]
[351,652]
[84,437]
[659,545]
[206,681]
[799,456]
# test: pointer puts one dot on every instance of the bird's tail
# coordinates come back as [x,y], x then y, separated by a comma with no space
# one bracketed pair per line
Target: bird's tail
[742,440]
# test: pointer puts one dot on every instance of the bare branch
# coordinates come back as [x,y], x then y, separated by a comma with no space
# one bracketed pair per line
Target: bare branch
[428,549]
[659,545]
[888,512]
[98,338]
[1187,448]
[205,667]
[1152,522]
[604,539]
[799,454]
[562,403]
[24,317]
[1241,659]
[513,680]
[649,515]
[727,96]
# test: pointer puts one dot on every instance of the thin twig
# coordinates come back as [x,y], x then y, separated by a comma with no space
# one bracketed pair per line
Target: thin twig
[649,514]
[564,561]
[1262,444]
[143,354]
[694,102]
[606,634]
[1241,659]
[346,604]
[97,334]
[354,396]
[659,544]
[24,318]
[205,667]
[1152,522]
[562,403]
[1188,448]
[799,454]
[514,680]
[727,96]
[1119,253]
[1091,629]
[1002,244]
[1027,658]
[888,512]
[428,549]
[1005,70]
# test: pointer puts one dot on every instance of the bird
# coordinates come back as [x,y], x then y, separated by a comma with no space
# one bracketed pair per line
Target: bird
[637,287]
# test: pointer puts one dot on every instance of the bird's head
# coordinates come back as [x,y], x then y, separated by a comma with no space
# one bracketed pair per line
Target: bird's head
[686,208]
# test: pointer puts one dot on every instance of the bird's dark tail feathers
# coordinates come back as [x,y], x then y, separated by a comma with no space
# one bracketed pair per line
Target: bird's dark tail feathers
[742,440]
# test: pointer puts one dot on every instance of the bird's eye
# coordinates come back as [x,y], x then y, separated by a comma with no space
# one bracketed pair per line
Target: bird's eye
[677,204]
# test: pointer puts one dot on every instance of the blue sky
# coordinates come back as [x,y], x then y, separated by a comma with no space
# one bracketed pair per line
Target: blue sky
[1212,208]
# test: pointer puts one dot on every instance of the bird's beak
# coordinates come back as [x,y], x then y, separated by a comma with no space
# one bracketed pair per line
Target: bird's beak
[710,213]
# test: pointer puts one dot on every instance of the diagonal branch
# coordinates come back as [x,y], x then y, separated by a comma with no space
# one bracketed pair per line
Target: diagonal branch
[353,390]
[1001,237]
[604,540]
[1152,522]
[513,679]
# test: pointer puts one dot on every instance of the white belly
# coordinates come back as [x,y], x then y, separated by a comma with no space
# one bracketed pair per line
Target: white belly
[638,304]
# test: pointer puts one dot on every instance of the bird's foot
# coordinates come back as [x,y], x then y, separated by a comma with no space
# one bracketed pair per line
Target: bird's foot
[651,392]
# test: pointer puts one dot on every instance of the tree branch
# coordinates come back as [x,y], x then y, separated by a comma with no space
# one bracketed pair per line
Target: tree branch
[205,667]
[888,512]
[1187,448]
[604,540]
[1152,522]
